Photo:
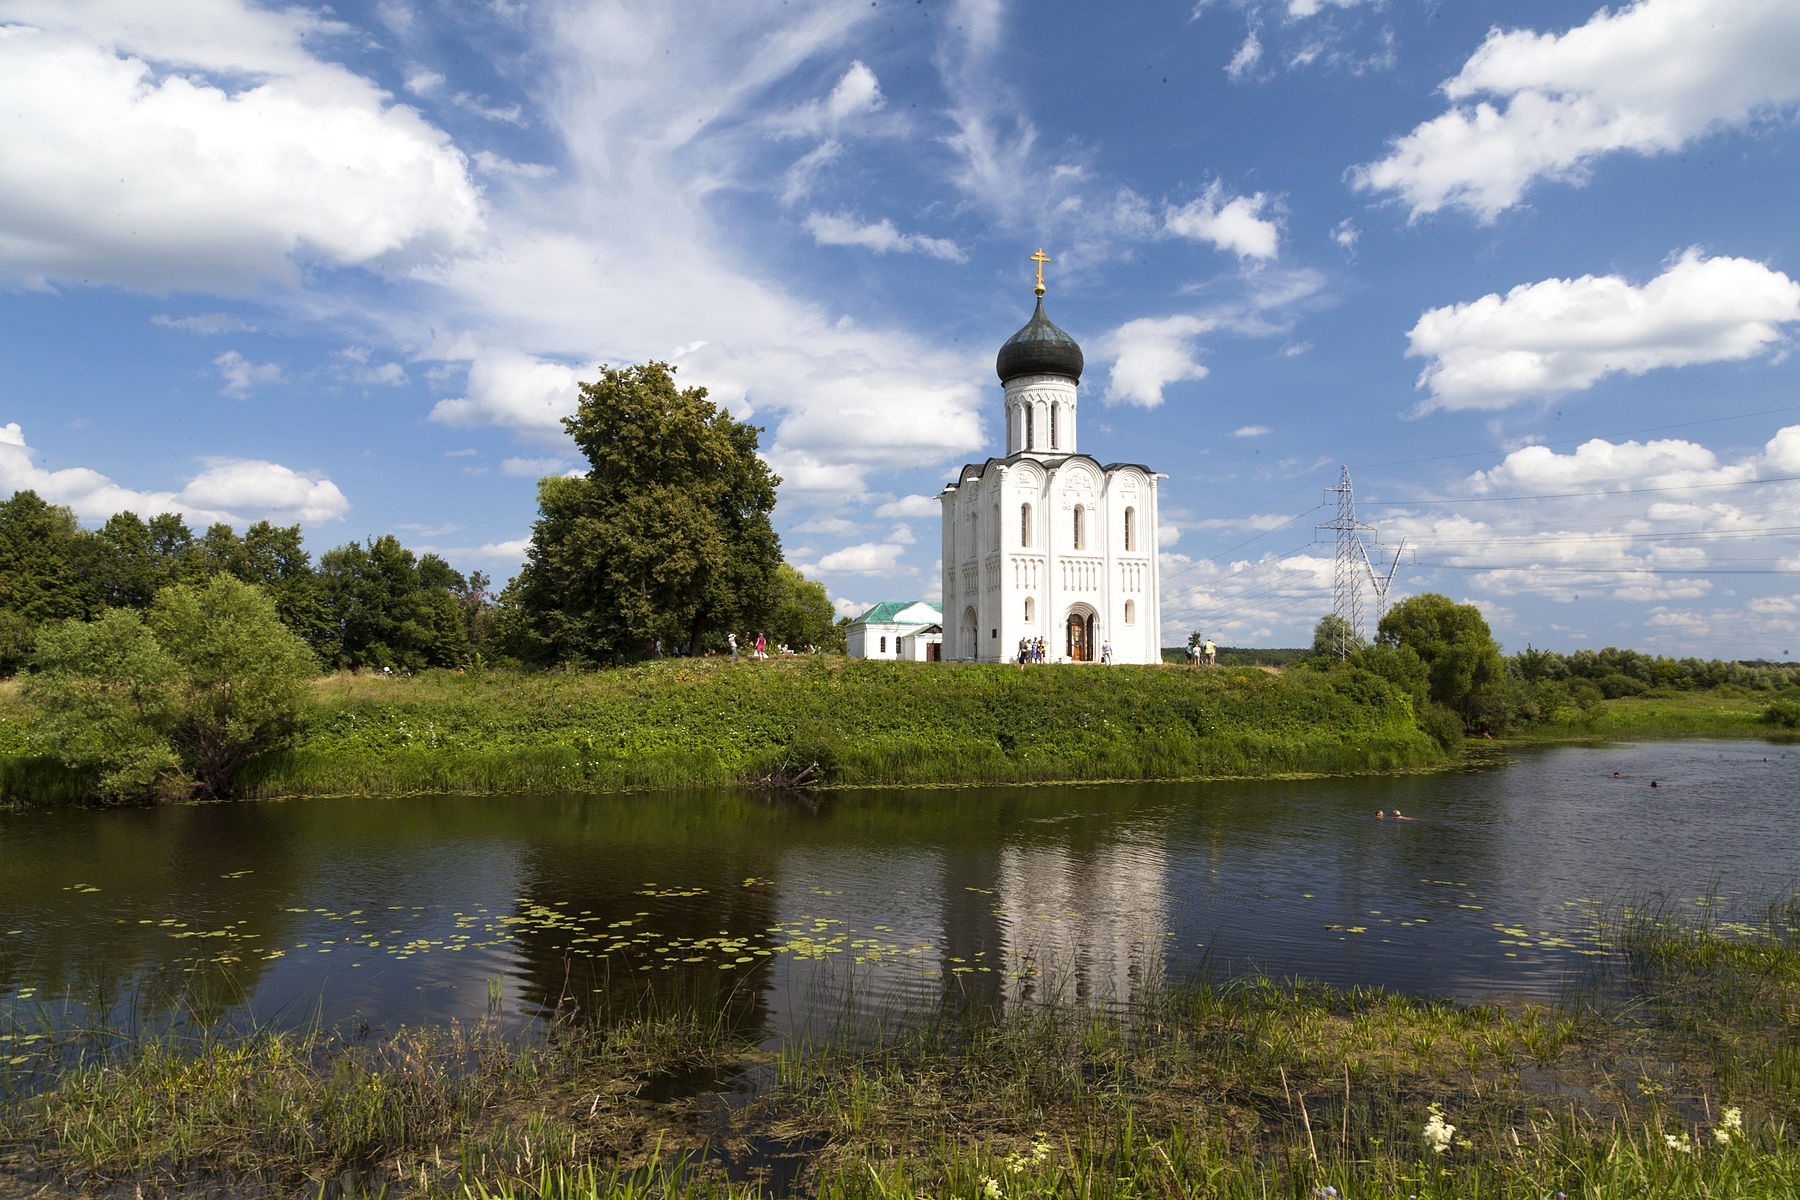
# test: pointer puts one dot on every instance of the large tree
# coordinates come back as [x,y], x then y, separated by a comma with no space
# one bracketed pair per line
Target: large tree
[387,608]
[667,535]
[1462,665]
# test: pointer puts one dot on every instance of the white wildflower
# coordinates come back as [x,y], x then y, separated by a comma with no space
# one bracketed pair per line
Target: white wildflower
[1679,1142]
[990,1186]
[1438,1132]
[1731,1125]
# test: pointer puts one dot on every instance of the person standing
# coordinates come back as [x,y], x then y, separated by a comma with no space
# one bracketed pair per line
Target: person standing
[1106,653]
[731,640]
[1211,651]
[762,646]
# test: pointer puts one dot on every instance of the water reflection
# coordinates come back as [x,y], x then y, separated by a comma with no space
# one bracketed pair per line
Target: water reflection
[410,910]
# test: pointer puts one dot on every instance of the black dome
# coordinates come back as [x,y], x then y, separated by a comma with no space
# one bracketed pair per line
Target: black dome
[1039,349]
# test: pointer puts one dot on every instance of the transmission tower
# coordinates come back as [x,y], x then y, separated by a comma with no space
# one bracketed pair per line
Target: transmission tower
[1346,590]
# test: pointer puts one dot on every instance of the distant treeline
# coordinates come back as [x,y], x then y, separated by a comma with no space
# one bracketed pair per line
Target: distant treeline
[372,604]
[1242,656]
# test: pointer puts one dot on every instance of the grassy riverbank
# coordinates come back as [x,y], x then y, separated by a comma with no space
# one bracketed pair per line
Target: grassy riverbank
[1721,712]
[678,723]
[1674,1073]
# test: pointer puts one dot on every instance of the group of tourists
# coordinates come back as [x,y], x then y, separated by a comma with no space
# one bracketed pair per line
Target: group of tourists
[1200,652]
[759,651]
[1031,650]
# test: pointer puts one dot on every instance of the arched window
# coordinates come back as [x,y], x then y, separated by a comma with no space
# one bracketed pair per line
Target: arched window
[1078,511]
[1030,429]
[1054,443]
[1024,524]
[884,645]
[1130,534]
[1131,612]
[1030,610]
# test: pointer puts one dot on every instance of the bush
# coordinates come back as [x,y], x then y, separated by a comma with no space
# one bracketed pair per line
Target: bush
[1784,714]
[1442,723]
[1616,685]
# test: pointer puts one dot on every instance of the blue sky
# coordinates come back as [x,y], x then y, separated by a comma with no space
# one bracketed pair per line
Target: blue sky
[1525,268]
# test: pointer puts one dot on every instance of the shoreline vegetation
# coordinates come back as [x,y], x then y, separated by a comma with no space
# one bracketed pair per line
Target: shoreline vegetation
[1671,1071]
[678,723]
[826,720]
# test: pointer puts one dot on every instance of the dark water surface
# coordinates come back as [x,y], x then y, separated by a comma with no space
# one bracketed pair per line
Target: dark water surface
[423,909]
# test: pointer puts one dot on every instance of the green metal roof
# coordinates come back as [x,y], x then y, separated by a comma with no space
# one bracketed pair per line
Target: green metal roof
[885,612]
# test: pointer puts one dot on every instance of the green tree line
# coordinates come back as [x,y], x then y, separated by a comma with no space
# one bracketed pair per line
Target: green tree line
[362,605]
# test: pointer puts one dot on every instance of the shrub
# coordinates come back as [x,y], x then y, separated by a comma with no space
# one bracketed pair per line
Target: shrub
[1783,713]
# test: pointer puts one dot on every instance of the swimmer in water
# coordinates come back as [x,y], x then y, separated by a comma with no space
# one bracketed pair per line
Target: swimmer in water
[1380,815]
[1400,816]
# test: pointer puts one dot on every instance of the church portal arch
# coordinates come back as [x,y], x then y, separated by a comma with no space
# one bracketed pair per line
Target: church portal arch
[1078,634]
[967,642]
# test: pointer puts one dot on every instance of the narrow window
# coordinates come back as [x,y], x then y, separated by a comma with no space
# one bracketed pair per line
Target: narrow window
[1024,524]
[1077,527]
[1030,429]
[884,645]
[1053,441]
[1030,610]
[1130,541]
[1131,612]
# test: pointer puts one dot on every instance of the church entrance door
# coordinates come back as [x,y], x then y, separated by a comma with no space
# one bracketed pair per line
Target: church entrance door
[1080,638]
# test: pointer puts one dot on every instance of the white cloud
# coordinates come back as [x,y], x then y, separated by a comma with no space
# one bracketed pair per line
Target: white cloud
[1247,56]
[1149,354]
[235,491]
[255,486]
[533,468]
[1564,335]
[857,93]
[515,391]
[870,558]
[834,526]
[241,375]
[1234,224]
[205,324]
[1346,234]
[916,506]
[161,178]
[841,229]
[423,83]
[1647,79]
[849,608]
[1249,431]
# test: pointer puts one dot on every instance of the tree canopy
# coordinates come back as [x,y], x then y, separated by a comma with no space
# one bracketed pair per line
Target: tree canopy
[666,537]
[172,701]
[1457,657]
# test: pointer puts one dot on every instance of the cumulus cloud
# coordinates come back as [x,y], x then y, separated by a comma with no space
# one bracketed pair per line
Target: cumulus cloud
[1235,223]
[841,229]
[233,155]
[1151,353]
[231,490]
[1646,79]
[1564,335]
[241,375]
[1249,431]
[1641,522]
[918,506]
[516,391]
[869,558]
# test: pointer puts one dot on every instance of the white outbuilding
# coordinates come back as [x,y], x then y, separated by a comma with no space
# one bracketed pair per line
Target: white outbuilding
[907,630]
[1049,542]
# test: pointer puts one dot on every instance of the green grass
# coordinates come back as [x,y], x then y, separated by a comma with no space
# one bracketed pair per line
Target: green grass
[1673,1073]
[706,722]
[1723,713]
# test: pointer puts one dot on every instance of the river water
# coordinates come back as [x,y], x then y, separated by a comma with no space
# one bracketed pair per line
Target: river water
[427,909]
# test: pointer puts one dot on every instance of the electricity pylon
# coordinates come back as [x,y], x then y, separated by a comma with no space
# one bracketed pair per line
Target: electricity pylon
[1352,560]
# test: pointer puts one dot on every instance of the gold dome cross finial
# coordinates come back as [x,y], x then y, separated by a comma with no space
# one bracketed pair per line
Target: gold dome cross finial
[1040,258]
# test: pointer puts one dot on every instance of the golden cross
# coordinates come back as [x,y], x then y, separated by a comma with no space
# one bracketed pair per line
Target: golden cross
[1040,258]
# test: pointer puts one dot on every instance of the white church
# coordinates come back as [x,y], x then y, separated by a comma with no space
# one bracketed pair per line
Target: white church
[1049,542]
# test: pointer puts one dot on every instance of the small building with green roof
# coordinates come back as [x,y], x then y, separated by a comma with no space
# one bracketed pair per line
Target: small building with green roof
[911,630]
